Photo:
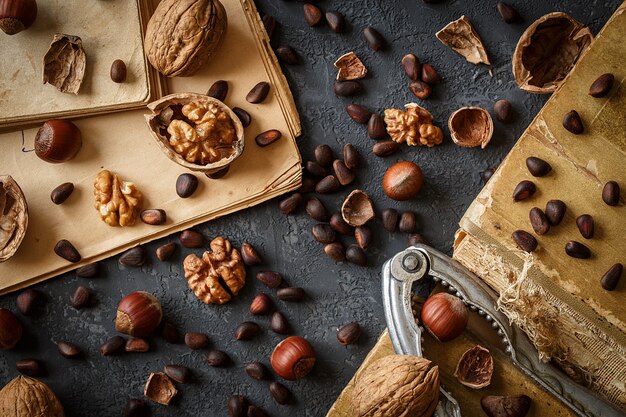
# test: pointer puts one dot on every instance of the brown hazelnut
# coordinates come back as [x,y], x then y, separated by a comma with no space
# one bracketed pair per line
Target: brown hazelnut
[58,141]
[10,329]
[293,358]
[403,180]
[16,16]
[445,316]
[261,304]
[138,314]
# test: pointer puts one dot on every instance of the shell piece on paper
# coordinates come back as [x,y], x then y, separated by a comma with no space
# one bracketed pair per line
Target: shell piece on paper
[548,50]
[471,127]
[64,63]
[461,36]
[350,67]
[13,217]
[357,209]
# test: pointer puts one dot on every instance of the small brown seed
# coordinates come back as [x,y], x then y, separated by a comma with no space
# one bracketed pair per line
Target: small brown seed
[537,166]
[324,155]
[254,411]
[487,174]
[585,225]
[412,66]
[154,217]
[573,123]
[415,239]
[237,406]
[279,323]
[323,233]
[339,225]
[280,393]
[247,330]
[611,278]
[196,340]
[29,301]
[525,241]
[376,128]
[118,71]
[259,93]
[249,255]
[135,344]
[312,14]
[216,175]
[191,239]
[508,13]
[133,257]
[290,204]
[287,55]
[268,137]
[169,333]
[67,251]
[343,174]
[373,38]
[577,250]
[335,251]
[243,116]
[385,148]
[539,221]
[80,298]
[316,210]
[261,304]
[503,111]
[69,350]
[292,294]
[336,21]
[30,367]
[186,185]
[610,193]
[525,189]
[355,255]
[89,270]
[270,278]
[308,185]
[178,373]
[430,75]
[218,359]
[408,222]
[358,113]
[269,23]
[327,185]
[347,88]
[257,370]
[218,90]
[602,85]
[112,346]
[315,169]
[390,219]
[349,334]
[555,211]
[363,235]
[62,192]
[136,408]
[165,252]
[351,156]
[420,89]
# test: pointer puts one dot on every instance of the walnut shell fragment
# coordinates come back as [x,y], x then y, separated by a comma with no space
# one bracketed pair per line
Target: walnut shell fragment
[350,67]
[183,35]
[13,217]
[218,274]
[160,388]
[414,126]
[397,386]
[27,397]
[461,36]
[64,63]
[357,209]
[471,127]
[548,50]
[196,131]
[475,368]
[118,202]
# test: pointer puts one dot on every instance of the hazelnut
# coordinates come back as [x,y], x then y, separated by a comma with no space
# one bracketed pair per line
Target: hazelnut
[138,314]
[293,358]
[261,304]
[445,316]
[58,141]
[10,329]
[16,16]
[403,180]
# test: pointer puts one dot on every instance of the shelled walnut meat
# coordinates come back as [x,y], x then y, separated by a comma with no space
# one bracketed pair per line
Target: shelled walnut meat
[13,217]
[414,126]
[118,202]
[218,274]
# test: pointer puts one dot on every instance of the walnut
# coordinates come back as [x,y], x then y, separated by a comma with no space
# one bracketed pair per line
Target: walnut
[27,397]
[350,67]
[13,217]
[413,126]
[118,202]
[208,276]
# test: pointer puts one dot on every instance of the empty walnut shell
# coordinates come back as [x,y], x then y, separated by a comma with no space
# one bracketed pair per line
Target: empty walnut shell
[350,67]
[162,115]
[160,388]
[13,217]
[64,63]
[475,368]
[548,50]
[357,209]
[471,127]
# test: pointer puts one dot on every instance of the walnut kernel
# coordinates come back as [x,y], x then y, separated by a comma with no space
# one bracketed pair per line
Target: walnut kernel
[412,126]
[118,202]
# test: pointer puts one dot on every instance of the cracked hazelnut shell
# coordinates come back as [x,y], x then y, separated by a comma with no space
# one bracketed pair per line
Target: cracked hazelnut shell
[293,358]
[58,141]
[475,368]
[357,209]
[471,127]
[138,314]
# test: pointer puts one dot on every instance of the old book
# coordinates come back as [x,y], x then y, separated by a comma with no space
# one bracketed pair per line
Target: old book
[556,299]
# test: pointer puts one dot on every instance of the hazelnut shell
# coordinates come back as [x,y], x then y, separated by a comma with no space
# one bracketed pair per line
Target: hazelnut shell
[138,314]
[471,127]
[293,358]
[58,141]
[475,368]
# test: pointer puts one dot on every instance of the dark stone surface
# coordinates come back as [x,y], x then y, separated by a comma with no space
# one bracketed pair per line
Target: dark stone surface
[337,293]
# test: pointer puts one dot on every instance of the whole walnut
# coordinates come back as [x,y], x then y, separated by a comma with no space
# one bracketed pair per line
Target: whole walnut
[13,217]
[205,275]
[414,126]
[182,35]
[28,397]
[397,386]
[118,202]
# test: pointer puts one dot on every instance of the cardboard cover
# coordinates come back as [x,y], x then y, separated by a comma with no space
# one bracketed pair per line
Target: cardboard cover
[122,143]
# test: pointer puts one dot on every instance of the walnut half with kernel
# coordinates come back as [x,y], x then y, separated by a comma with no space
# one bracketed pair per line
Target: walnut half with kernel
[118,202]
[414,126]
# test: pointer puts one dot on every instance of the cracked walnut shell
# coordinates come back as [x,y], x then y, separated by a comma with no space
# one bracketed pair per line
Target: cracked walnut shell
[64,63]
[471,127]
[118,202]
[218,274]
[13,217]
[413,126]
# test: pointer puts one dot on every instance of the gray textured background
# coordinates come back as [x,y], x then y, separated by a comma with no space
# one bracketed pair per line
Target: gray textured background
[337,293]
